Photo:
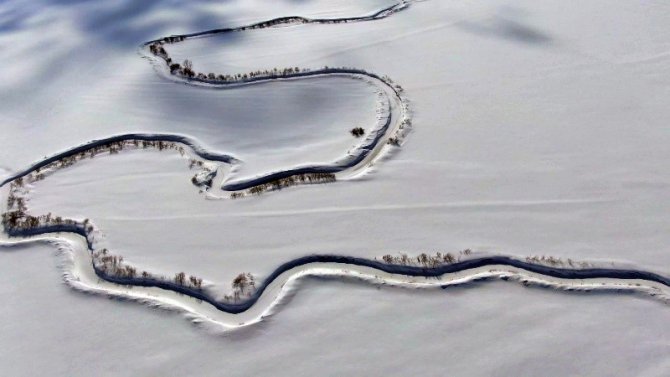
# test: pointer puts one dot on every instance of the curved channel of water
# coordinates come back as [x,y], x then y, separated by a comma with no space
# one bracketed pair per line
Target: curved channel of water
[268,292]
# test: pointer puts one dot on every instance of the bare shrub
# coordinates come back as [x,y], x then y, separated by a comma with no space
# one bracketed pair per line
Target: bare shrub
[357,131]
[180,278]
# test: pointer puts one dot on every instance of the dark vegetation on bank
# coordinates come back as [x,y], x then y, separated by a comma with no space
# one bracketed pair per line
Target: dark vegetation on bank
[357,131]
[17,222]
[245,290]
[278,184]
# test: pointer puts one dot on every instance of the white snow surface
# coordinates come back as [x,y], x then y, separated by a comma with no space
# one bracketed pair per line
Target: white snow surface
[481,330]
[539,128]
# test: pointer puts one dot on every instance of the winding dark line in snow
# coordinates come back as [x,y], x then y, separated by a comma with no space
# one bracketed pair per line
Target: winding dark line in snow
[384,13]
[239,307]
[346,163]
[414,271]
[362,151]
[197,149]
[349,162]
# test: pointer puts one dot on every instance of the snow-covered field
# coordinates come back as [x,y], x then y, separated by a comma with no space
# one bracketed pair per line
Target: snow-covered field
[538,128]
[482,330]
